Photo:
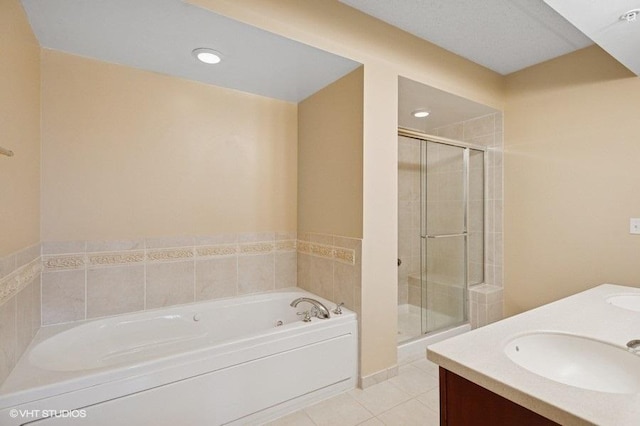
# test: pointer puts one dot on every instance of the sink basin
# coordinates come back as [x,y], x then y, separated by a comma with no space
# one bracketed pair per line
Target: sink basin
[577,361]
[626,301]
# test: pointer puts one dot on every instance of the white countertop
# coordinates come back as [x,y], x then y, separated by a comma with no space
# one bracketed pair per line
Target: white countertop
[479,357]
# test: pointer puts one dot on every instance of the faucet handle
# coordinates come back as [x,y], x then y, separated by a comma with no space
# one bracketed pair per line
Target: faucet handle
[633,346]
[307,316]
[338,308]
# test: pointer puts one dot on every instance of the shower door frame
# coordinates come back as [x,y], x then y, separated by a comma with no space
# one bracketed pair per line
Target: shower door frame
[425,138]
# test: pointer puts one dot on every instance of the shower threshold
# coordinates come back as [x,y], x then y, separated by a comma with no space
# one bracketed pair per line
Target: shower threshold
[415,349]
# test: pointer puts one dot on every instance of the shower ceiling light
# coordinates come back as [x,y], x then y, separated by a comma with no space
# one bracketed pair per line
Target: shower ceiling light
[420,113]
[207,56]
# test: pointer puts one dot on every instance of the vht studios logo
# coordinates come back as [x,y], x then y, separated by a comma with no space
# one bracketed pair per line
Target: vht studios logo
[36,414]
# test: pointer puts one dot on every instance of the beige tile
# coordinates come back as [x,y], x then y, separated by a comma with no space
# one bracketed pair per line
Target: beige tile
[428,367]
[253,237]
[322,277]
[216,278]
[322,239]
[63,247]
[341,410]
[431,399]
[24,325]
[346,242]
[453,131]
[169,284]
[380,397]
[115,290]
[211,240]
[410,413]
[286,269]
[494,312]
[256,273]
[7,265]
[486,140]
[115,245]
[304,236]
[27,255]
[299,418]
[304,271]
[285,235]
[498,122]
[372,422]
[414,381]
[36,317]
[344,283]
[479,127]
[168,242]
[63,296]
[8,338]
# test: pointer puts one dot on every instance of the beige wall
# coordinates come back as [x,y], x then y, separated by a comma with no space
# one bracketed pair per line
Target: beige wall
[129,153]
[386,53]
[330,159]
[379,307]
[19,130]
[571,178]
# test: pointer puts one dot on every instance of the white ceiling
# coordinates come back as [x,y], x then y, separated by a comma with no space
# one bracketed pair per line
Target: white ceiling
[503,35]
[601,21]
[445,108]
[159,35]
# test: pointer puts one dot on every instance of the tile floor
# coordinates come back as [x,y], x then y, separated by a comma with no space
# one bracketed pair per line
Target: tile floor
[410,398]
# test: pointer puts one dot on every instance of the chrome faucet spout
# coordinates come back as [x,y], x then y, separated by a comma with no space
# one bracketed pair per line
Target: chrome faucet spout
[319,310]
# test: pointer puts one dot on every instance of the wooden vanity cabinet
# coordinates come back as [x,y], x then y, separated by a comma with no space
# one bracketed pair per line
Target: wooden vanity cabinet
[464,403]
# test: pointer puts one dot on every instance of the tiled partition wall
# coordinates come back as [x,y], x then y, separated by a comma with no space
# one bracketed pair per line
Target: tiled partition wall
[330,266]
[90,279]
[19,305]
[485,301]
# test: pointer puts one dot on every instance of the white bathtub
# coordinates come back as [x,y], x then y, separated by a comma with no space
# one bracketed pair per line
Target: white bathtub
[218,362]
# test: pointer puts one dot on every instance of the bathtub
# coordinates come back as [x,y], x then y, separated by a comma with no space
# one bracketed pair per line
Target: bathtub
[243,361]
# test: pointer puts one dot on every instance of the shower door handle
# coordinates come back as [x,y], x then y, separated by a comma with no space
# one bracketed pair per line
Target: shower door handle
[463,234]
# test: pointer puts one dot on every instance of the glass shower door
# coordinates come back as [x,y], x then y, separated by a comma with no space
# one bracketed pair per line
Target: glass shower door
[444,242]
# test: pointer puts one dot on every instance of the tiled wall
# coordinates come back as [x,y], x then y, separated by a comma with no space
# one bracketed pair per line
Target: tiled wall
[330,266]
[485,131]
[485,302]
[409,172]
[19,305]
[90,279]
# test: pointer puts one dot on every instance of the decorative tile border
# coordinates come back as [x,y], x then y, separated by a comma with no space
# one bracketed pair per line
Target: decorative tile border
[220,250]
[63,262]
[256,248]
[120,258]
[171,254]
[13,283]
[286,245]
[340,254]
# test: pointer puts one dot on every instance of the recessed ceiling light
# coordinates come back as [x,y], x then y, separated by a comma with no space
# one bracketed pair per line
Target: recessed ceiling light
[420,113]
[631,15]
[207,56]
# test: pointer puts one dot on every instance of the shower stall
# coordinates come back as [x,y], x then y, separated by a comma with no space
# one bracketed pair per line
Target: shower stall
[441,222]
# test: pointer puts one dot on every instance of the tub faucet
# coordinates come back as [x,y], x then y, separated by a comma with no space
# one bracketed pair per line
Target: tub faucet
[318,310]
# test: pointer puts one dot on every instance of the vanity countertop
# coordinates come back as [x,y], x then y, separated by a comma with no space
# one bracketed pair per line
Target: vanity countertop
[479,357]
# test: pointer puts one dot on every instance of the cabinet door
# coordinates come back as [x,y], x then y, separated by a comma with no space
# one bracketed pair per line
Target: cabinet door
[464,403]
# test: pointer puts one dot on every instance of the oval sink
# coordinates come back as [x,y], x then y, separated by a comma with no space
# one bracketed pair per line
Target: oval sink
[577,361]
[626,301]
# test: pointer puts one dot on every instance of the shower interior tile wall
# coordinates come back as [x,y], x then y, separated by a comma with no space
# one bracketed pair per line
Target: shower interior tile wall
[20,305]
[485,131]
